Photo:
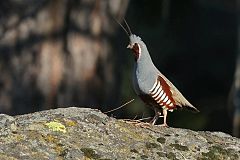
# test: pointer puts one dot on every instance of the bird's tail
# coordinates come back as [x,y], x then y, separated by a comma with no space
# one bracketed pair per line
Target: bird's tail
[193,109]
[181,101]
[190,107]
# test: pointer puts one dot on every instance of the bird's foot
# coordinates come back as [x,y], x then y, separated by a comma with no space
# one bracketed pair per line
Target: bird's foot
[144,125]
[154,120]
[132,121]
[138,123]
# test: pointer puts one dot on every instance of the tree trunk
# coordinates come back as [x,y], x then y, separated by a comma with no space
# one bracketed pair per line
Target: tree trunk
[234,97]
[57,53]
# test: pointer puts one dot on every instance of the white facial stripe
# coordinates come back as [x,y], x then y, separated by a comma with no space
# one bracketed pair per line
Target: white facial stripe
[156,82]
[140,49]
[156,89]
[166,98]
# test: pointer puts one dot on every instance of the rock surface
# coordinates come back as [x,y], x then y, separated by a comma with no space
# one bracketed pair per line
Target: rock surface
[83,133]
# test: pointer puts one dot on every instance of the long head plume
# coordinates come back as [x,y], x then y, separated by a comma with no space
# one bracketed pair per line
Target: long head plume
[127,26]
[129,32]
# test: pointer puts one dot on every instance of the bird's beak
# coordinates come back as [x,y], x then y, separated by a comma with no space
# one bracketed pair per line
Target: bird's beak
[129,46]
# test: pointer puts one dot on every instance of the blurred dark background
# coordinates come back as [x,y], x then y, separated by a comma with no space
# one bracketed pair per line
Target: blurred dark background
[73,53]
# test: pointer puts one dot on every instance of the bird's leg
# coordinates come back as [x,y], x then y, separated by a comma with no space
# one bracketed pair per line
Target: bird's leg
[155,118]
[164,118]
[152,122]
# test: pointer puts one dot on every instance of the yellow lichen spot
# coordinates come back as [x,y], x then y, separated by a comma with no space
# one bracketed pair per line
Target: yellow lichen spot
[50,138]
[70,123]
[19,137]
[56,126]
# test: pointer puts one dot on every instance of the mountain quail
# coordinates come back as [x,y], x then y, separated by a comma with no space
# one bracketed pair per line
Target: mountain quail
[151,85]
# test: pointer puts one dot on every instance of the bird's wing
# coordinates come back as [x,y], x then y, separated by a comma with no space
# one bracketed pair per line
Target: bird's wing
[162,94]
[176,95]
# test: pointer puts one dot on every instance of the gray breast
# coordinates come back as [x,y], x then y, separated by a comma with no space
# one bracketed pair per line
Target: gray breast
[143,80]
[135,81]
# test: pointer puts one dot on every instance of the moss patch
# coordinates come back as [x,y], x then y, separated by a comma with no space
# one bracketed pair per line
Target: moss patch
[150,145]
[134,151]
[171,156]
[161,140]
[90,153]
[179,147]
[144,157]
[162,154]
[217,152]
[92,118]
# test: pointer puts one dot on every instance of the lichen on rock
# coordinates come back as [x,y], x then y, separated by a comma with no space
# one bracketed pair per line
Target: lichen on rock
[56,126]
[84,133]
